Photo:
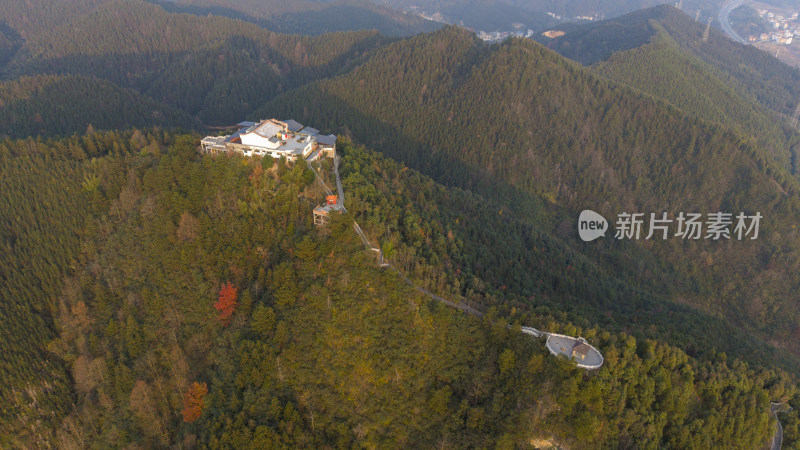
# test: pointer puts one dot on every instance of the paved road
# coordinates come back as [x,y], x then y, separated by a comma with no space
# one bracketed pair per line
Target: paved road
[729,6]
[777,440]
[533,331]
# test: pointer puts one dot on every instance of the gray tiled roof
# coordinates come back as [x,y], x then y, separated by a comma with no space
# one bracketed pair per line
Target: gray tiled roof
[293,125]
[326,140]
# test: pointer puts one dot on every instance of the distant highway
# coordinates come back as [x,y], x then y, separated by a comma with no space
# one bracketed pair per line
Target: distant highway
[729,6]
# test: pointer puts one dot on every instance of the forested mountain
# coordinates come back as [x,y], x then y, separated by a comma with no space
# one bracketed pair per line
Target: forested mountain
[215,69]
[546,138]
[746,69]
[53,105]
[9,44]
[39,230]
[29,18]
[661,68]
[320,346]
[312,17]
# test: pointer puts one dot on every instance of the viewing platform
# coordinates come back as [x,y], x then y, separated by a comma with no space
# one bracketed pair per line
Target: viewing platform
[576,349]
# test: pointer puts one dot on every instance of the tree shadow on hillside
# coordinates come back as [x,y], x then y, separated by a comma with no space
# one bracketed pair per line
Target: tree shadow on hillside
[608,287]
[220,86]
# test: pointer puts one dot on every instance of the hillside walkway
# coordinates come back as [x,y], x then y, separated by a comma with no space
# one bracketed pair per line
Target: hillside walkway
[557,344]
[777,439]
[339,189]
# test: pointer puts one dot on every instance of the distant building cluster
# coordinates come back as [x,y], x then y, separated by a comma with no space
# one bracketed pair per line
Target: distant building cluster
[501,35]
[784,29]
[496,36]
[601,16]
[518,32]
[276,138]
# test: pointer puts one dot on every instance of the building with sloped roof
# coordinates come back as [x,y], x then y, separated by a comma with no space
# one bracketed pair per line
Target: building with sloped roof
[580,349]
[293,125]
[327,144]
[275,138]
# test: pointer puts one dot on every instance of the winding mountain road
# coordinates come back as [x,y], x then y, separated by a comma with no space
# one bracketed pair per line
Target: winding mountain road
[777,439]
[729,6]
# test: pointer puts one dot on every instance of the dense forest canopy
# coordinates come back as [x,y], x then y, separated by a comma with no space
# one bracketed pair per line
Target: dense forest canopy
[60,105]
[179,61]
[745,68]
[159,297]
[595,144]
[661,68]
[322,346]
[660,51]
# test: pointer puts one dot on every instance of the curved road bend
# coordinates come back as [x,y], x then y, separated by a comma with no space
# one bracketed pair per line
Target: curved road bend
[777,440]
[729,6]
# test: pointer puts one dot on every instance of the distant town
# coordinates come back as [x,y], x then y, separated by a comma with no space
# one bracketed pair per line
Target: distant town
[517,29]
[784,29]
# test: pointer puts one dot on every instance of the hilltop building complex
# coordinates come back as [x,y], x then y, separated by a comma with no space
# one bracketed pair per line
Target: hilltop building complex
[274,138]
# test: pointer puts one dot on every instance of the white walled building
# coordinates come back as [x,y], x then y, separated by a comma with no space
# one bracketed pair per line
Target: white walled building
[275,138]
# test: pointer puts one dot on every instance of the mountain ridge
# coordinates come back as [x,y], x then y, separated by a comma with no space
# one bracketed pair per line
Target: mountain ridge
[615,161]
[773,83]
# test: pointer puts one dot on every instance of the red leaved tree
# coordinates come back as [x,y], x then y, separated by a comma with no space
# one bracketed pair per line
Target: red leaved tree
[193,401]
[226,304]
